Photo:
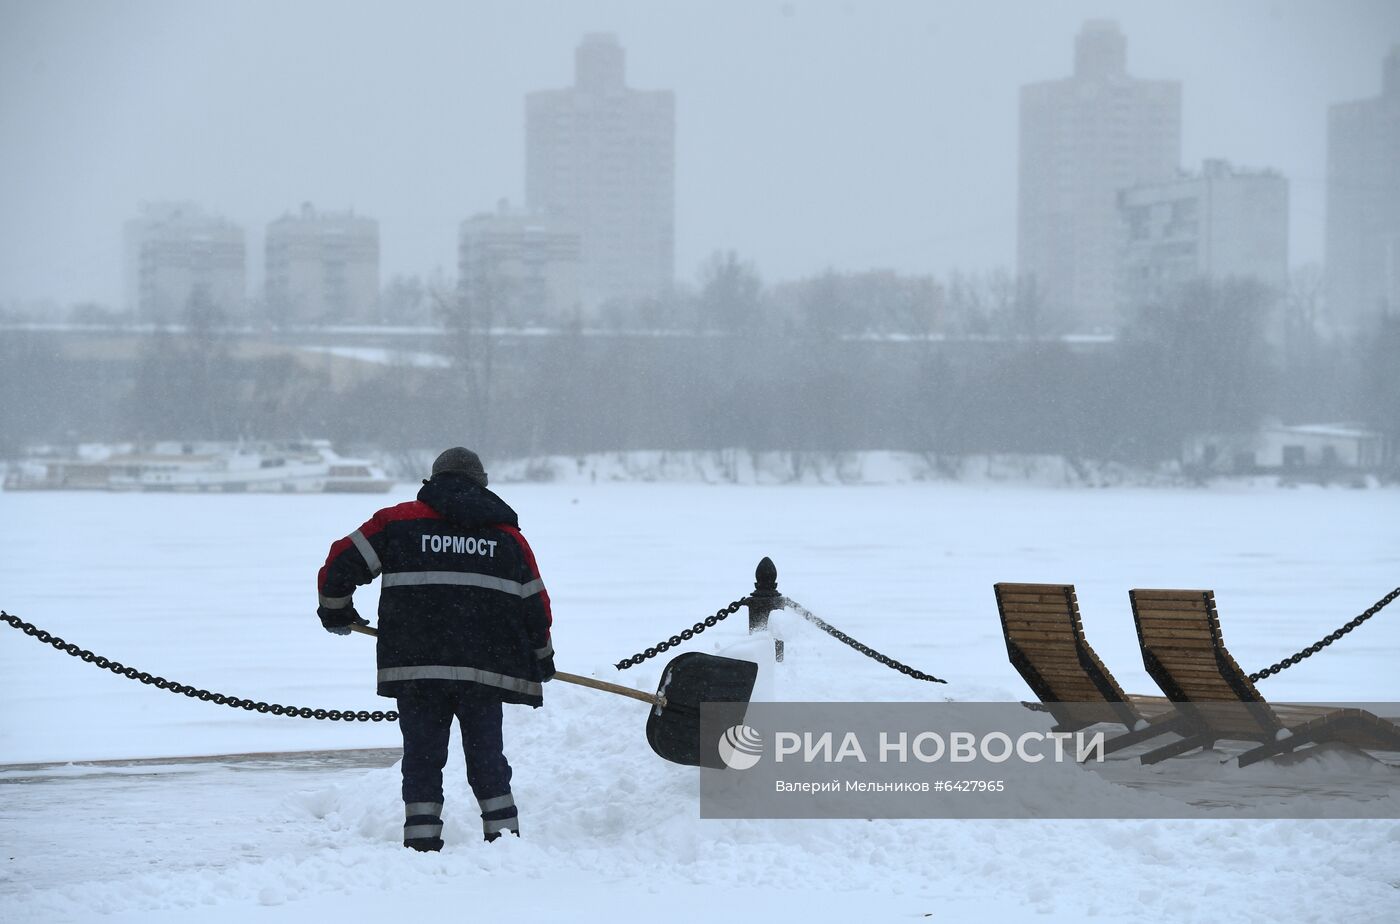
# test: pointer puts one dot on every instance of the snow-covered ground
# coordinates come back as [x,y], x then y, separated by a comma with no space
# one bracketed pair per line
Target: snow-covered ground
[217,591]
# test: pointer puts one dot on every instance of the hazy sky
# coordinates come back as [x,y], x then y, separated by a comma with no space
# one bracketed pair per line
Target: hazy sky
[854,135]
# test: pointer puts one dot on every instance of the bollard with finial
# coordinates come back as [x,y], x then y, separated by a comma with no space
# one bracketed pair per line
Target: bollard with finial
[764,600]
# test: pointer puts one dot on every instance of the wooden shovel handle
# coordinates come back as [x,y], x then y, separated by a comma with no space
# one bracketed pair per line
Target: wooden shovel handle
[606,687]
[603,685]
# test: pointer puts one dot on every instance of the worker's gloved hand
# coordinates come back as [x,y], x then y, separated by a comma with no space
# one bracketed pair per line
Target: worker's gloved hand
[339,621]
[547,669]
[345,629]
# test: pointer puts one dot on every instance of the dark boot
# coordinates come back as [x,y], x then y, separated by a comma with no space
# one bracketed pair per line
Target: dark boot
[495,835]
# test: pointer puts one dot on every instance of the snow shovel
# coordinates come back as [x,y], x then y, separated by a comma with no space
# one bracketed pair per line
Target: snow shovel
[673,727]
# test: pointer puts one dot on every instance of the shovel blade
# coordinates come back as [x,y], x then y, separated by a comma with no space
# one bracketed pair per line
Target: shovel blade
[673,730]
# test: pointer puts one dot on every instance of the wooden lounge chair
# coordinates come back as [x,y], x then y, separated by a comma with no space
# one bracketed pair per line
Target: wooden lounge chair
[1182,648]
[1046,644]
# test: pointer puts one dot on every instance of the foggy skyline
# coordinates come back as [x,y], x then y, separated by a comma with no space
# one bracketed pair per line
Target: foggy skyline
[808,134]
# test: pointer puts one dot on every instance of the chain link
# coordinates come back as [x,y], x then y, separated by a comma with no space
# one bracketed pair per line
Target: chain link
[206,696]
[1322,643]
[866,650]
[684,635]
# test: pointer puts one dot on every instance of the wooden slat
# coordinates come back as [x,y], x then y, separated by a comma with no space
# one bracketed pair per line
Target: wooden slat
[1177,625]
[1040,650]
[1047,630]
[1201,650]
[1192,684]
[1186,676]
[1043,639]
[1197,624]
[1041,605]
[1050,629]
[1189,682]
[1058,678]
[1295,712]
[1006,588]
[1041,629]
[1199,618]
[1033,609]
[1208,693]
[1048,656]
[1162,593]
[1060,661]
[1166,634]
[1178,664]
[1172,610]
[1085,685]
[1061,668]
[1072,694]
[1071,676]
[1046,626]
[1187,643]
[1194,646]
[1206,688]
[1043,635]
[1191,646]
[1046,651]
[1185,658]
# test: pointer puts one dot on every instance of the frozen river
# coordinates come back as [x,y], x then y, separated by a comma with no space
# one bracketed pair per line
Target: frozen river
[218,591]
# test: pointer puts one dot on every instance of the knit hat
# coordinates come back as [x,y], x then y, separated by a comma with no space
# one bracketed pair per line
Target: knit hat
[463,461]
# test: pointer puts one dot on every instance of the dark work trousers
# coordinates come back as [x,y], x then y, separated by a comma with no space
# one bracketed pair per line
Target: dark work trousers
[425,719]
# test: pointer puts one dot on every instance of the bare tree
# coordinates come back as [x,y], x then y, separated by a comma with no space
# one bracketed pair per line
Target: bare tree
[730,293]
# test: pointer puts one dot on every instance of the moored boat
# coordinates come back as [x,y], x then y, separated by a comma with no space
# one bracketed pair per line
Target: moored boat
[294,467]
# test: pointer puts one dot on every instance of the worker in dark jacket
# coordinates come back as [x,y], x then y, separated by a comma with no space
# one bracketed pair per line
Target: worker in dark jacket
[464,625]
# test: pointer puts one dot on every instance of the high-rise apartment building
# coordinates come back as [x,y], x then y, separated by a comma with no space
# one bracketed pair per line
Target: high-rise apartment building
[1083,139]
[323,268]
[601,156]
[179,258]
[519,269]
[1218,224]
[1363,205]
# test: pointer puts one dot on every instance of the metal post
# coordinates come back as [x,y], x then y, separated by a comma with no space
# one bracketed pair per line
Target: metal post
[764,600]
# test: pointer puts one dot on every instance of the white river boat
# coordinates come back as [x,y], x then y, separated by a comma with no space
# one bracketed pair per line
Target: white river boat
[300,467]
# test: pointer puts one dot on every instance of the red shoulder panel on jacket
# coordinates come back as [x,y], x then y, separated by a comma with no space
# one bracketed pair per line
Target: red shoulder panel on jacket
[409,510]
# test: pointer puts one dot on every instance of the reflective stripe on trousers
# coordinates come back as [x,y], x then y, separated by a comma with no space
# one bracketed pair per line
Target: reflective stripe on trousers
[422,820]
[498,814]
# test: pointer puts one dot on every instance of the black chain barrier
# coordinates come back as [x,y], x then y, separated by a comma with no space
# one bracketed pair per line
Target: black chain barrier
[866,650]
[684,635]
[116,667]
[720,615]
[1317,646]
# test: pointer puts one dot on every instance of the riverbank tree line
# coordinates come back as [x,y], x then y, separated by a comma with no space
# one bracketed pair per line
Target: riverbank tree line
[835,363]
